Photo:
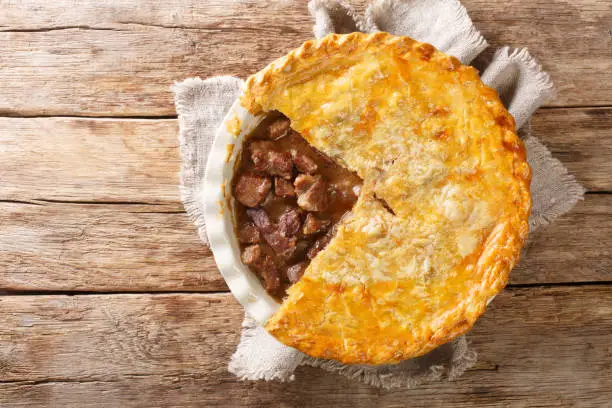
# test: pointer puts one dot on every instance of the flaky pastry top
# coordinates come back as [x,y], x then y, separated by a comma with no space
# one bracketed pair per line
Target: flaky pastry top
[442,215]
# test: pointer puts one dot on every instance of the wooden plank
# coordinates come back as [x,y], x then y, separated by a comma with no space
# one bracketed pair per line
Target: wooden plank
[574,248]
[105,160]
[114,248]
[126,71]
[569,57]
[102,248]
[190,14]
[113,59]
[582,140]
[138,160]
[544,347]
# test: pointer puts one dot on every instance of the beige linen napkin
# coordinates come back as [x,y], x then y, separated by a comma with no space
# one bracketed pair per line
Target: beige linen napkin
[523,87]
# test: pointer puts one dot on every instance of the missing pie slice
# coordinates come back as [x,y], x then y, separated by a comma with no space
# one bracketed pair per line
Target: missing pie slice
[441,200]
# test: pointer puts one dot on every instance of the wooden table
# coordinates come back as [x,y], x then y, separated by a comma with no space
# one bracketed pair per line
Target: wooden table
[109,298]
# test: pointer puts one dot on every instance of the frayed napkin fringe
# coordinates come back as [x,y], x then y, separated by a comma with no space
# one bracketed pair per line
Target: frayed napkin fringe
[400,375]
[333,16]
[454,15]
[519,79]
[464,358]
[182,100]
[195,137]
[246,372]
[566,182]
[260,356]
[190,202]
[522,55]
[460,19]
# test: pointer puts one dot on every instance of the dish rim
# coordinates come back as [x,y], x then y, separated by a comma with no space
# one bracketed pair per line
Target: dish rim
[219,214]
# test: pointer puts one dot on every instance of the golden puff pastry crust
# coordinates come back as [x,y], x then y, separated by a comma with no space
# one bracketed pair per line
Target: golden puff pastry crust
[442,215]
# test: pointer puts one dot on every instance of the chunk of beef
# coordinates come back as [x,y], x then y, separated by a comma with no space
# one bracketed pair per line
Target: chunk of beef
[266,159]
[251,189]
[311,192]
[261,220]
[255,257]
[259,153]
[279,128]
[295,272]
[252,255]
[303,182]
[319,245]
[283,188]
[313,225]
[304,163]
[290,222]
[271,275]
[280,164]
[270,199]
[301,248]
[249,234]
[280,243]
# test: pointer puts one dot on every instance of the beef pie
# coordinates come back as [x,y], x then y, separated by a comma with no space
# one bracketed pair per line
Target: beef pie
[384,199]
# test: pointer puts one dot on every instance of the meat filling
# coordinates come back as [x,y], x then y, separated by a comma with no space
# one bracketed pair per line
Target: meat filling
[312,192]
[251,189]
[283,188]
[249,234]
[295,272]
[314,225]
[304,163]
[289,197]
[267,159]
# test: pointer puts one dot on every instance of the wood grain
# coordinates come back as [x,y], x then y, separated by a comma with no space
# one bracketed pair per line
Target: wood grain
[574,248]
[582,140]
[92,205]
[121,247]
[102,160]
[114,59]
[545,347]
[105,248]
[132,160]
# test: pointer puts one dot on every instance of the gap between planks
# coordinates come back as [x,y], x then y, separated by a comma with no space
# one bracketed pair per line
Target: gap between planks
[171,117]
[224,292]
[44,201]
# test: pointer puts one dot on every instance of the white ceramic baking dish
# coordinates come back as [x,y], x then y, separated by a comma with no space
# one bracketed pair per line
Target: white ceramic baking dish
[219,213]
